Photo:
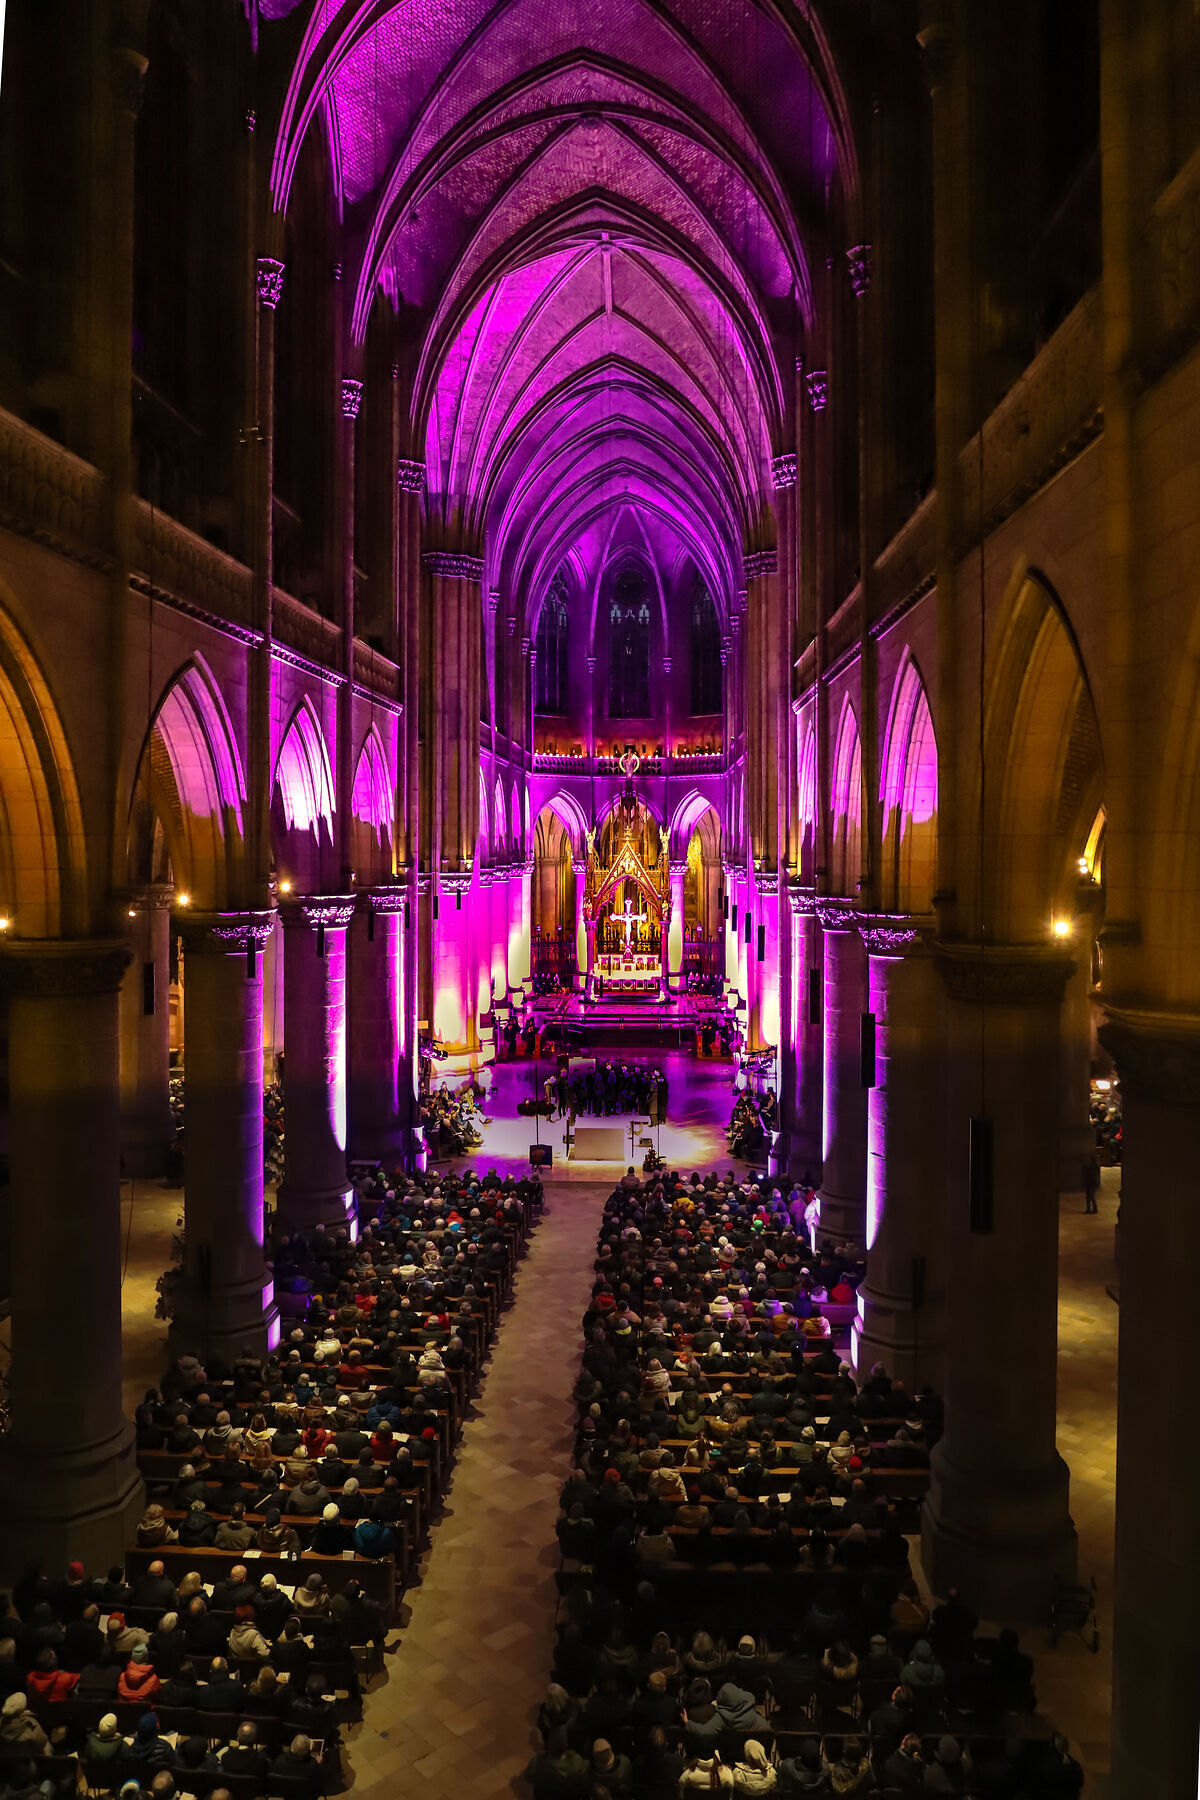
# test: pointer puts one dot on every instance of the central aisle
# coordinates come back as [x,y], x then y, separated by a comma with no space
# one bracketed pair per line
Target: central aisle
[467,1672]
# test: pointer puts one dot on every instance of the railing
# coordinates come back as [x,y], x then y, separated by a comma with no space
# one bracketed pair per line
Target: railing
[680,762]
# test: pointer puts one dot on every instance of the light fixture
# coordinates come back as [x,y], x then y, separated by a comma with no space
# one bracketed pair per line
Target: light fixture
[1083,866]
[285,886]
[183,899]
[3,922]
[131,913]
[1103,1086]
[1061,928]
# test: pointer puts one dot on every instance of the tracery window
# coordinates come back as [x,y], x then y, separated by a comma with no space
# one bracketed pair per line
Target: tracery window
[705,653]
[551,686]
[629,646]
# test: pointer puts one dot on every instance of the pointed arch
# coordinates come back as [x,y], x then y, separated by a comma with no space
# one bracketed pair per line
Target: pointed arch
[807,766]
[569,814]
[303,777]
[517,842]
[1044,773]
[483,839]
[499,821]
[191,787]
[846,805]
[908,793]
[685,820]
[371,795]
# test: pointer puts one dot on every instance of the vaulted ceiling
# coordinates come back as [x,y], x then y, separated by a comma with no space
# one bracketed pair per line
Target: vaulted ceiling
[605,213]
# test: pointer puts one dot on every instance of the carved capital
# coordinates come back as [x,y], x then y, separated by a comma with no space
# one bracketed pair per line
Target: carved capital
[149,896]
[494,602]
[453,566]
[858,261]
[410,475]
[835,914]
[783,471]
[802,900]
[816,386]
[268,281]
[511,623]
[1003,974]
[454,881]
[318,912]
[896,934]
[352,392]
[1157,1054]
[759,562]
[767,881]
[62,968]
[225,933]
[387,899]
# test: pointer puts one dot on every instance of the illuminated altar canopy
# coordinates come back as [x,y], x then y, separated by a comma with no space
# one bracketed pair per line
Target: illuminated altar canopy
[627,900]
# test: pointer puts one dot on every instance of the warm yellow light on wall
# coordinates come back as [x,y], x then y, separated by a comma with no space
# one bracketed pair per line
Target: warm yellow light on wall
[183,899]
[1061,928]
[285,886]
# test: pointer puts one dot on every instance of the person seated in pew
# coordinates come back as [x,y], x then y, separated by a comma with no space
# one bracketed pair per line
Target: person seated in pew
[292,1652]
[205,1633]
[232,1590]
[244,1756]
[276,1538]
[220,1690]
[197,1529]
[297,1762]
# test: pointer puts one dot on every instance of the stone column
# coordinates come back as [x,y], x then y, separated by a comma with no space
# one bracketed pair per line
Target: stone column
[1078,1139]
[374,1038]
[844,1129]
[579,870]
[520,940]
[996,1521]
[1156,1665]
[314,1189]
[589,984]
[453,1016]
[899,1307]
[69,1485]
[805,1132]
[145,1033]
[675,935]
[664,986]
[226,1297]
[501,900]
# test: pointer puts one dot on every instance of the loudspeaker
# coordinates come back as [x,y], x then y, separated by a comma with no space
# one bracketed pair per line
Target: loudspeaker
[866,1050]
[814,996]
[981,1156]
[735,915]
[762,943]
[541,1156]
[749,925]
[918,1283]
[148,1007]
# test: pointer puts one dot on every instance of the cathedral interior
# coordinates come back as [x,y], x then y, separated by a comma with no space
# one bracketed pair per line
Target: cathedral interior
[660,533]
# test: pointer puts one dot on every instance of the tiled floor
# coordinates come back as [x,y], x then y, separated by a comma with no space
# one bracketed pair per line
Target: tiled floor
[456,1705]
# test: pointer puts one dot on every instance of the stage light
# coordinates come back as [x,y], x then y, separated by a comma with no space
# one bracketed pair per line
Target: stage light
[285,886]
[1061,928]
[183,899]
[131,913]
[4,923]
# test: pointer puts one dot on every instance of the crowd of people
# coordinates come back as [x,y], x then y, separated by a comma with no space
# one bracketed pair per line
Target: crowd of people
[752,1123]
[453,1121]
[272,1131]
[738,1612]
[310,1468]
[606,1088]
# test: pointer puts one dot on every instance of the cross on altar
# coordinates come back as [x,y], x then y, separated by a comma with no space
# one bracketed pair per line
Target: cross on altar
[629,919]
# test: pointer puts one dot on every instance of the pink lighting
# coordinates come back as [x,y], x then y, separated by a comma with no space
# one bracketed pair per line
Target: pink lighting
[302,774]
[371,796]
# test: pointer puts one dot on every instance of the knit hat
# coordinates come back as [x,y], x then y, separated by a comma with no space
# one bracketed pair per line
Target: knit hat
[139,1654]
[330,1514]
[14,1706]
[75,1571]
[107,1728]
[746,1645]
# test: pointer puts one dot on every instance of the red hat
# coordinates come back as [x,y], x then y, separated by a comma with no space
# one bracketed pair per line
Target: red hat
[429,1432]
[75,1571]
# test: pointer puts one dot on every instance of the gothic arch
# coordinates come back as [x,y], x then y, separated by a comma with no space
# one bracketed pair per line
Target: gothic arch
[190,788]
[846,806]
[303,803]
[808,803]
[908,793]
[372,810]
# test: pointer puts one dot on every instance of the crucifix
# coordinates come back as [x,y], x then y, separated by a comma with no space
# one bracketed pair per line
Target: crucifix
[629,919]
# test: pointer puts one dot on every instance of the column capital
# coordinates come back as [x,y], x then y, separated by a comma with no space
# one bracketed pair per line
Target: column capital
[386,898]
[897,935]
[816,385]
[318,912]
[858,262]
[453,565]
[1003,974]
[410,475]
[225,933]
[767,881]
[801,899]
[783,471]
[147,896]
[1157,1054]
[835,914]
[351,396]
[268,281]
[62,968]
[758,562]
[454,881]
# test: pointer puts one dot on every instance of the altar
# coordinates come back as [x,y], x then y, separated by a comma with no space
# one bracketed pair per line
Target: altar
[638,972]
[626,901]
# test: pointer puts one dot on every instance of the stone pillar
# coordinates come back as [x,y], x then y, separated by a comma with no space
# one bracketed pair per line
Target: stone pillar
[226,1297]
[1156,1660]
[501,902]
[996,1521]
[899,1305]
[1078,1139]
[314,1189]
[374,1037]
[675,935]
[453,1000]
[520,939]
[589,985]
[579,870]
[664,986]
[844,1126]
[69,1486]
[145,1033]
[805,1130]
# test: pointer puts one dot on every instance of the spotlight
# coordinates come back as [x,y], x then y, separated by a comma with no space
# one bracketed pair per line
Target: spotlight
[1061,928]
[1083,866]
[183,899]
[132,913]
[285,886]
[4,923]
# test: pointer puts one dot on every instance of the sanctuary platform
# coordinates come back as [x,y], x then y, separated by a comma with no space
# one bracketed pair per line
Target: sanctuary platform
[621,1019]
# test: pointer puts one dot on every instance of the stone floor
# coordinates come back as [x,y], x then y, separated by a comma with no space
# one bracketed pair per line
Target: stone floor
[456,1705]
